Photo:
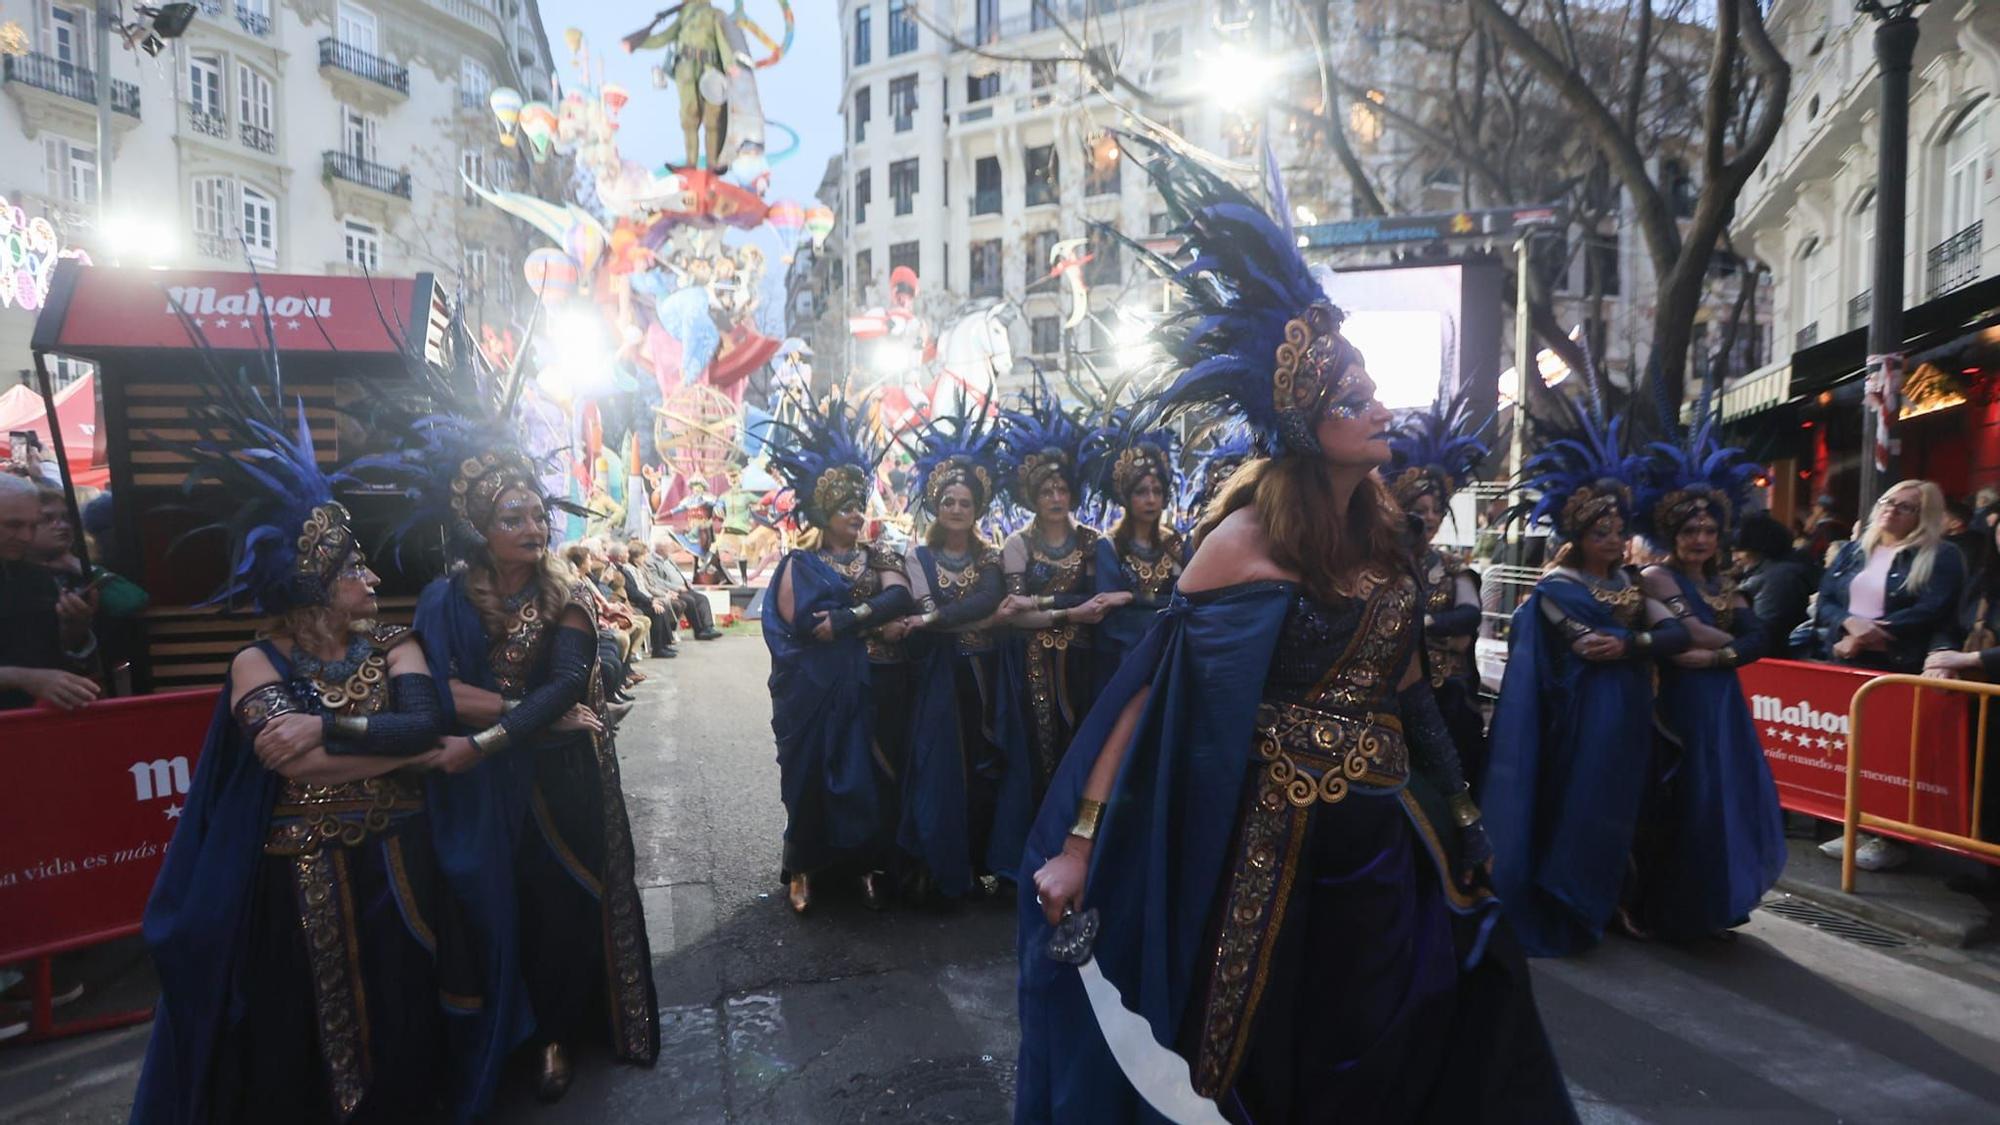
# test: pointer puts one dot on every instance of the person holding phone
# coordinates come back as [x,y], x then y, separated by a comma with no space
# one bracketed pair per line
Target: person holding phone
[46,642]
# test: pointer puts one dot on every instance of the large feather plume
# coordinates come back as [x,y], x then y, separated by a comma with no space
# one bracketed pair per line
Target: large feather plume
[1440,444]
[1695,462]
[972,437]
[813,438]
[1037,427]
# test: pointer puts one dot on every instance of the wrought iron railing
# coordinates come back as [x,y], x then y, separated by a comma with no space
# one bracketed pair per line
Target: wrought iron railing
[215,246]
[473,99]
[1860,308]
[45,72]
[1954,263]
[259,138]
[986,202]
[207,123]
[1806,337]
[353,169]
[256,23]
[355,61]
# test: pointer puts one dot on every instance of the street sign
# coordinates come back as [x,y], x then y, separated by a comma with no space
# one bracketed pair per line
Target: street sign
[1391,230]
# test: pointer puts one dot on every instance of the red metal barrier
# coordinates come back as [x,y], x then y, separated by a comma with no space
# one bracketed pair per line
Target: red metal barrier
[1801,711]
[90,803]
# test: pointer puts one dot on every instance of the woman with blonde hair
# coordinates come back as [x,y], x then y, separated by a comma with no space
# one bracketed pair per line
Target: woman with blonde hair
[1883,599]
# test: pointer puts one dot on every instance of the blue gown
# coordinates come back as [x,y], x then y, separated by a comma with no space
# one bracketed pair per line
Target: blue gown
[1264,816]
[823,716]
[1571,751]
[956,757]
[1149,576]
[1717,833]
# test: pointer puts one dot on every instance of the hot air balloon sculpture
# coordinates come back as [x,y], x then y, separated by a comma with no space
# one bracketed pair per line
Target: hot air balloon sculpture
[787,218]
[505,103]
[819,224]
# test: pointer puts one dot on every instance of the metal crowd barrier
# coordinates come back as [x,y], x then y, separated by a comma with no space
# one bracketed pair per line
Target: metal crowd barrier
[1857,820]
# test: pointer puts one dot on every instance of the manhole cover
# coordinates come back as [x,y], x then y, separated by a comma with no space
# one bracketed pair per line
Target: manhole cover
[975,1090]
[1839,925]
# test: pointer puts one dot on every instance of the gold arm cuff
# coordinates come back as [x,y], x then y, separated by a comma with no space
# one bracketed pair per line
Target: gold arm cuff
[863,612]
[1642,641]
[507,705]
[1045,601]
[350,726]
[1088,814]
[492,740]
[1463,810]
[1725,657]
[927,620]
[1059,616]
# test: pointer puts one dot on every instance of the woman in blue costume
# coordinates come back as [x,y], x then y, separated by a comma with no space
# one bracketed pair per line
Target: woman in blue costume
[511,635]
[1715,836]
[1258,890]
[834,628]
[308,950]
[1141,556]
[1051,609]
[1572,734]
[956,755]
[1435,451]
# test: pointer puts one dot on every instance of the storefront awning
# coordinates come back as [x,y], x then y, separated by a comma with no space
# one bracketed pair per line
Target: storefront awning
[1930,325]
[1760,390]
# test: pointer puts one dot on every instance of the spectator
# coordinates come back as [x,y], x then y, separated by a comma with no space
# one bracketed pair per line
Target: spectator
[1884,598]
[663,575]
[1777,583]
[659,613]
[616,627]
[1973,542]
[1823,529]
[55,548]
[46,641]
[1977,657]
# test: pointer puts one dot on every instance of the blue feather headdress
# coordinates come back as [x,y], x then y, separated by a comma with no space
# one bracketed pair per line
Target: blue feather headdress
[1231,447]
[1117,456]
[1433,451]
[289,538]
[1582,474]
[1693,475]
[957,449]
[1256,333]
[461,447]
[1039,439]
[823,456]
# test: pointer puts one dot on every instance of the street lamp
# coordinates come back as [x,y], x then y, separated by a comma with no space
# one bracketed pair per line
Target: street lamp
[1895,48]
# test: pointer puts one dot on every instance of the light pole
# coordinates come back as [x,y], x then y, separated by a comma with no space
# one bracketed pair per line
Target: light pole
[1895,47]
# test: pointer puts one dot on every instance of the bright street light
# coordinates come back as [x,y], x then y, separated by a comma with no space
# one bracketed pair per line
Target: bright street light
[1235,79]
[138,237]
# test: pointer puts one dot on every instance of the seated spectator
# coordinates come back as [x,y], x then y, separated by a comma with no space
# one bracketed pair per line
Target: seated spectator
[47,645]
[1885,598]
[650,603]
[663,575]
[1779,585]
[614,620]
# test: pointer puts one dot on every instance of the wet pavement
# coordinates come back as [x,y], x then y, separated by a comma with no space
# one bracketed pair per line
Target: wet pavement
[908,1016]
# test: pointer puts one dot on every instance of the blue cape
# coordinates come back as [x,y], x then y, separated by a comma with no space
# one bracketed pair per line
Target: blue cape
[475,818]
[1161,848]
[822,718]
[1570,759]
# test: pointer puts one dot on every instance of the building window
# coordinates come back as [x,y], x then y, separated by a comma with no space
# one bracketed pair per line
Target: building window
[363,246]
[1042,172]
[71,170]
[211,216]
[862,108]
[356,27]
[1039,245]
[1964,158]
[358,133]
[1159,223]
[256,105]
[1103,267]
[864,27]
[979,87]
[1044,333]
[864,270]
[472,269]
[260,226]
[205,106]
[902,28]
[1806,292]
[1041,73]
[1862,238]
[69,35]
[904,255]
[862,194]
[986,185]
[903,102]
[1167,45]
[986,22]
[1680,188]
[1100,176]
[903,185]
[1549,258]
[1041,15]
[472,169]
[986,268]
[474,84]
[1600,265]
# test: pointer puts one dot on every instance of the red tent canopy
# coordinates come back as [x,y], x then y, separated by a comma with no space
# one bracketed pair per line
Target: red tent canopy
[76,405]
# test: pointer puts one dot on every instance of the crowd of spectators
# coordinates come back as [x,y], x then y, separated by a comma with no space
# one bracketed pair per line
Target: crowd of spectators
[640,596]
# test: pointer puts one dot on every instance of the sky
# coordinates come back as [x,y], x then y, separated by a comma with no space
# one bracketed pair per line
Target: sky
[801,90]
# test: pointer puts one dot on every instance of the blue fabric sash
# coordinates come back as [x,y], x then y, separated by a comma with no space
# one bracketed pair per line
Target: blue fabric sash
[934,825]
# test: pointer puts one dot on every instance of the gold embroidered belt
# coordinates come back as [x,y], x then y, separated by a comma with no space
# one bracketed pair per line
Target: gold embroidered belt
[1320,755]
[307,817]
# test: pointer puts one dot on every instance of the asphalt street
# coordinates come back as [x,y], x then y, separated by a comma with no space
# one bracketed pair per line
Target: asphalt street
[908,1016]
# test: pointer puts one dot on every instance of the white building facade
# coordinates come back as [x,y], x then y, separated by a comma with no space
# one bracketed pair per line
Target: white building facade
[306,136]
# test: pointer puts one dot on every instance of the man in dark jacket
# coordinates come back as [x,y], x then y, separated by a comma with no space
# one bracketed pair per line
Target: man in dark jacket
[46,643]
[1778,585]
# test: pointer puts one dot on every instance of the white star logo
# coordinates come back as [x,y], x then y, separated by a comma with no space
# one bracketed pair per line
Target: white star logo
[243,324]
[1787,736]
[291,326]
[1771,734]
[173,812]
[199,323]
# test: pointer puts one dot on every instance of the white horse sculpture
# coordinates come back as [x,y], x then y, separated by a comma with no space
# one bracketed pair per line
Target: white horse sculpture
[975,351]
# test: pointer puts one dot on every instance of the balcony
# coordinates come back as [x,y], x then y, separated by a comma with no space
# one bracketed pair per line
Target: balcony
[474,100]
[1860,309]
[1953,263]
[207,123]
[1806,337]
[254,23]
[377,177]
[1040,193]
[78,83]
[986,202]
[215,246]
[263,140]
[337,59]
